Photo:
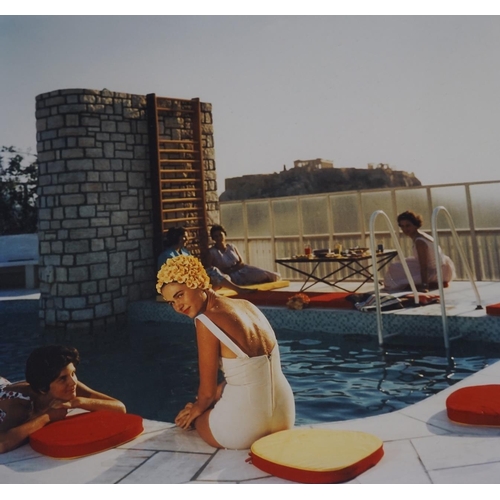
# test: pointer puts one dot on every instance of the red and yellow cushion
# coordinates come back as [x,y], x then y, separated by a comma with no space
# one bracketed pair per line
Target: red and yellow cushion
[86,433]
[475,405]
[317,456]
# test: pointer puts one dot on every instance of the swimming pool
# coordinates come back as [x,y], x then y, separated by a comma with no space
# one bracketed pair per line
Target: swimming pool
[152,367]
[346,377]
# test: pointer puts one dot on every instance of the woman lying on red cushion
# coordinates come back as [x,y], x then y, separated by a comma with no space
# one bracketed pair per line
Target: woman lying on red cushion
[50,390]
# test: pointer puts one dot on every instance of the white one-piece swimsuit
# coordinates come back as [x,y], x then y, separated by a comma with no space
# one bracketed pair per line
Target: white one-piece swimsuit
[257,399]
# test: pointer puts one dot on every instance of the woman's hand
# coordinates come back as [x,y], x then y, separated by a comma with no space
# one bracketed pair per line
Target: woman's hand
[58,404]
[55,409]
[187,416]
[235,267]
[56,414]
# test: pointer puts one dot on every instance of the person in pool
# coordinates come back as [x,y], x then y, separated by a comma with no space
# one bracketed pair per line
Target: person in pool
[51,389]
[255,399]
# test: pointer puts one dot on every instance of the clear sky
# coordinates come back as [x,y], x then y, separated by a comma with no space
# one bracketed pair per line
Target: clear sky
[417,92]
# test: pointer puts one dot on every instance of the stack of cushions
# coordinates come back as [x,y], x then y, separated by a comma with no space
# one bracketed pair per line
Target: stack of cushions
[86,433]
[316,456]
[475,405]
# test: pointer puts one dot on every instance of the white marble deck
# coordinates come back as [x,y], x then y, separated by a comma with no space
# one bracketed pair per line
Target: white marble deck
[421,445]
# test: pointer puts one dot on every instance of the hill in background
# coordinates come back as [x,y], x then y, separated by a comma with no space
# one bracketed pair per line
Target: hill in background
[313,177]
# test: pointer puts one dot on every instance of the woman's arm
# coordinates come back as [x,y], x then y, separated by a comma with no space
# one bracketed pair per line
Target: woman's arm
[238,264]
[208,363]
[88,399]
[237,252]
[423,259]
[15,437]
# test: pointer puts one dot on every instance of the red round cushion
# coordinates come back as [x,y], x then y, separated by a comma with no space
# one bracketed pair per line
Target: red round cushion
[475,405]
[86,433]
[316,456]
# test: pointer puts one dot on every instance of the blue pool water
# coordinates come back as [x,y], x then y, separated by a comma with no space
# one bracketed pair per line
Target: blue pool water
[152,368]
[350,376]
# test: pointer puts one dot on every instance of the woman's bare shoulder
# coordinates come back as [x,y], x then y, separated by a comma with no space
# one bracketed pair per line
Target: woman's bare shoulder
[23,387]
[424,237]
[231,311]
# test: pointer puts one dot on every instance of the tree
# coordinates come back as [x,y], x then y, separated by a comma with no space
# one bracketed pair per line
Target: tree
[18,185]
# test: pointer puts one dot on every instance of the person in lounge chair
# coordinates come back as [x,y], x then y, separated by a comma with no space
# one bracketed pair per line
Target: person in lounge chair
[176,241]
[226,259]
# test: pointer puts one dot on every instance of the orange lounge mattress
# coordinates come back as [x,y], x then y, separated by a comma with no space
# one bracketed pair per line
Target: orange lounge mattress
[328,300]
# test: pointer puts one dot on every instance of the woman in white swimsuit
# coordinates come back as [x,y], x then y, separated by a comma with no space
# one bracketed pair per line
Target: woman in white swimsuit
[422,264]
[255,399]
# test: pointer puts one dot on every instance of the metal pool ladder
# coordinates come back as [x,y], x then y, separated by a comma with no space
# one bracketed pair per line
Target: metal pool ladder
[439,271]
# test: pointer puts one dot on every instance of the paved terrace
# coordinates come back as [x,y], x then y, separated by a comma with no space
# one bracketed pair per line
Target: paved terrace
[421,445]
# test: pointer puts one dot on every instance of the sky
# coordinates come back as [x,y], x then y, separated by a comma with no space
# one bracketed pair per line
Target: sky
[419,93]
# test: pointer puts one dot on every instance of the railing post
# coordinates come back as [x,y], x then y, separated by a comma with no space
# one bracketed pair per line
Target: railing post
[439,270]
[373,251]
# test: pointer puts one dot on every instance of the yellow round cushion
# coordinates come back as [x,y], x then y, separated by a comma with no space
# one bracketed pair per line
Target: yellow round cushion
[316,456]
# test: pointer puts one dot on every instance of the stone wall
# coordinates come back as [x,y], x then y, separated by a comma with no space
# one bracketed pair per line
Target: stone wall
[95,205]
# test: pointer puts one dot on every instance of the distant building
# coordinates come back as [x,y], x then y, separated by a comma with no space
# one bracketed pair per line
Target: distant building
[371,166]
[313,164]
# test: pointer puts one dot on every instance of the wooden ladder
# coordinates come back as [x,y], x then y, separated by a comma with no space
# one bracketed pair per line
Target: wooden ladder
[177,170]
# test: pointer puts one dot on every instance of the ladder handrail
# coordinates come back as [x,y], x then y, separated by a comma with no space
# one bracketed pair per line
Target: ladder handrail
[375,269]
[439,270]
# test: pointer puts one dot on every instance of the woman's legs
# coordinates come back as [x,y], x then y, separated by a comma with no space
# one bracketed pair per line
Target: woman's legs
[203,427]
[218,280]
[238,289]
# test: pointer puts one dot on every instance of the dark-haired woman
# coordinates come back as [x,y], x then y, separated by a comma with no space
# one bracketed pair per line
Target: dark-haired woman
[175,245]
[226,258]
[422,264]
[50,390]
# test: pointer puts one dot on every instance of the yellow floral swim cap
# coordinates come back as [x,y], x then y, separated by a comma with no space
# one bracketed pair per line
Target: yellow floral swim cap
[183,269]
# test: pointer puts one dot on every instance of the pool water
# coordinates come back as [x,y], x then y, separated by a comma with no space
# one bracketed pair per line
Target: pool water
[346,377]
[152,367]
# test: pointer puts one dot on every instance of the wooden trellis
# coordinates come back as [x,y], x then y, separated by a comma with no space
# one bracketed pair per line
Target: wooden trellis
[176,153]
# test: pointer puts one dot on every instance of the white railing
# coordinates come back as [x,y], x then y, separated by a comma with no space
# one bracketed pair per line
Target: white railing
[437,253]
[266,229]
[373,250]
[409,277]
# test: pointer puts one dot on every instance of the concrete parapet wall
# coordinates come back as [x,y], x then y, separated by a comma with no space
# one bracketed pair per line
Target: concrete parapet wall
[95,205]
